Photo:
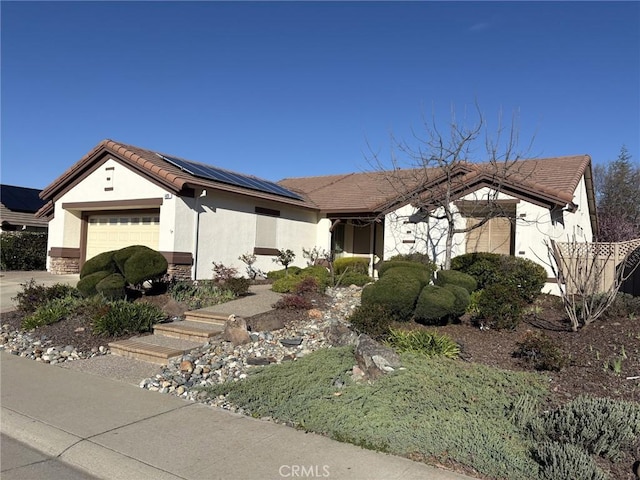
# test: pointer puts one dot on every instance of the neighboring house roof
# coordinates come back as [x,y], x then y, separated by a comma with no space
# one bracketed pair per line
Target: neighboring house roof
[18,206]
[151,165]
[549,181]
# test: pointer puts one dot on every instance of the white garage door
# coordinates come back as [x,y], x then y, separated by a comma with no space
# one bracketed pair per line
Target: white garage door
[115,231]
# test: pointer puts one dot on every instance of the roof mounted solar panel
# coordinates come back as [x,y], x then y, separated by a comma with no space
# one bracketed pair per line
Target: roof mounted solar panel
[216,174]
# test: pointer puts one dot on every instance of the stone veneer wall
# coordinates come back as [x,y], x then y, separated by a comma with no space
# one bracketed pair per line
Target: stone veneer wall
[64,266]
[179,272]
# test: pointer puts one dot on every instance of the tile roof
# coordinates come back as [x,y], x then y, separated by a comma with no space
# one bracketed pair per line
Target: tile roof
[550,181]
[151,165]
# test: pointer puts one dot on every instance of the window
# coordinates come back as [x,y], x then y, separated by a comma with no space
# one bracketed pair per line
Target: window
[495,236]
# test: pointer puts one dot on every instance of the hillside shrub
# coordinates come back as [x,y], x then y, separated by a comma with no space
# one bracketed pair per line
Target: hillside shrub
[435,305]
[414,257]
[121,317]
[601,426]
[23,251]
[498,307]
[32,295]
[455,277]
[561,461]
[199,294]
[373,319]
[87,284]
[540,351]
[397,293]
[422,342]
[524,276]
[307,285]
[112,287]
[351,264]
[462,299]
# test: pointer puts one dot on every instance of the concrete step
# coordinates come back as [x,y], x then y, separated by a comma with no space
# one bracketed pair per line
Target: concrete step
[205,316]
[188,330]
[153,348]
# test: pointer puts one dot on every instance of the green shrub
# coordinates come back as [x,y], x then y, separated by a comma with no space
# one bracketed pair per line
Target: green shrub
[435,305]
[424,272]
[87,284]
[561,461]
[350,278]
[601,426]
[277,274]
[23,251]
[374,320]
[143,264]
[103,262]
[540,351]
[199,294]
[414,257]
[624,305]
[500,307]
[32,295]
[422,342]
[307,285]
[121,317]
[397,293]
[239,286]
[288,283]
[351,264]
[112,287]
[525,276]
[462,299]
[52,311]
[121,256]
[454,277]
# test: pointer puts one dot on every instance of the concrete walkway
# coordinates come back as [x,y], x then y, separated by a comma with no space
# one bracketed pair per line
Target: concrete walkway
[114,430]
[10,284]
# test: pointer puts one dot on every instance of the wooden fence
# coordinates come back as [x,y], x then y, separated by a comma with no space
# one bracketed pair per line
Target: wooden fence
[600,261]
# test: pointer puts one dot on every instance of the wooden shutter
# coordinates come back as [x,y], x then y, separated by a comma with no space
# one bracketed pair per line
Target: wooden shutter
[494,236]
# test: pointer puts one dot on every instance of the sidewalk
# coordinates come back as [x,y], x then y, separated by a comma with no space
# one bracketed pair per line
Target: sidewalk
[118,431]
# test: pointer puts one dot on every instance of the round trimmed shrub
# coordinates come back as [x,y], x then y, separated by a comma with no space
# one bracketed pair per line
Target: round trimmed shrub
[354,278]
[87,284]
[143,264]
[122,255]
[289,283]
[103,262]
[500,307]
[463,298]
[454,277]
[435,305]
[424,270]
[277,274]
[397,293]
[112,286]
[415,257]
[374,320]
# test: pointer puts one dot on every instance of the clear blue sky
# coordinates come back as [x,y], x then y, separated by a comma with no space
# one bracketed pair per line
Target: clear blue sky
[296,88]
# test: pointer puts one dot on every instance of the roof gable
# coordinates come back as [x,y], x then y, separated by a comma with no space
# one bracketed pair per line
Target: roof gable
[550,181]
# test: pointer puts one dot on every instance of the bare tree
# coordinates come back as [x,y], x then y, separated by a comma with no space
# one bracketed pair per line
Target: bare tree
[442,168]
[588,277]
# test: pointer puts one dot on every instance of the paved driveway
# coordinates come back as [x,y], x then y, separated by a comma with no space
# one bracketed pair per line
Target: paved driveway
[10,284]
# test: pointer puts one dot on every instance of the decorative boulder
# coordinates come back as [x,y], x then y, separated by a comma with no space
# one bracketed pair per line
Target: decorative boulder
[339,335]
[375,359]
[235,331]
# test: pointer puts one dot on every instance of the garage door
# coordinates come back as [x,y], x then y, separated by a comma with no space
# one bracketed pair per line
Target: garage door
[115,231]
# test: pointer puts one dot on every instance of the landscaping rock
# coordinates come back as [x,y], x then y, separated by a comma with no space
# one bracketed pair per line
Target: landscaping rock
[339,335]
[235,331]
[266,325]
[375,359]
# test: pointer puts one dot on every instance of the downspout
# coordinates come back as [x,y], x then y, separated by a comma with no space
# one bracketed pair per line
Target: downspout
[196,234]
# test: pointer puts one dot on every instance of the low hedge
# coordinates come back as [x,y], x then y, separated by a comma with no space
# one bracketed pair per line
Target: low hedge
[289,283]
[435,305]
[417,270]
[352,265]
[23,251]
